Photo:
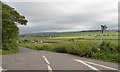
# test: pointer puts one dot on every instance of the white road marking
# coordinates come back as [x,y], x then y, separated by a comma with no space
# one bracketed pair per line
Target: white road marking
[87,65]
[49,68]
[1,69]
[46,60]
[101,65]
[97,64]
[48,63]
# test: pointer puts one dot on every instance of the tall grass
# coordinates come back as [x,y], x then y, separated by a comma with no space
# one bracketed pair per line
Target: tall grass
[11,51]
[104,51]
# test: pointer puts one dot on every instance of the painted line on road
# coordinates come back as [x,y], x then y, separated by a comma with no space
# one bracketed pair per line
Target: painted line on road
[102,66]
[1,69]
[46,60]
[49,68]
[97,64]
[48,63]
[94,68]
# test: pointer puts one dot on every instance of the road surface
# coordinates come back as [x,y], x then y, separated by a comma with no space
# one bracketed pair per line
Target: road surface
[28,59]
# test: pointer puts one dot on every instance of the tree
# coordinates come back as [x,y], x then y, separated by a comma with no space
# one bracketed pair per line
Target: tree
[10,19]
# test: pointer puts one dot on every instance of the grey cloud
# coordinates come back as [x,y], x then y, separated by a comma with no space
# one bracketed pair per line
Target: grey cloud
[65,16]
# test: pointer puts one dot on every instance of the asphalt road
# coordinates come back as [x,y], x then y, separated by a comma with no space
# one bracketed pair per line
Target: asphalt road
[28,59]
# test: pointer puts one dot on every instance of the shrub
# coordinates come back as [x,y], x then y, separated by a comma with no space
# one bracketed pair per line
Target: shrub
[106,56]
[107,47]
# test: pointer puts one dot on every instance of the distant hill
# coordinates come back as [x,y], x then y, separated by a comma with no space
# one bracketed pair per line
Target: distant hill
[50,33]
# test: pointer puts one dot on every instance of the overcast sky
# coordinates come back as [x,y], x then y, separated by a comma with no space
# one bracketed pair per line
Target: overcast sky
[67,16]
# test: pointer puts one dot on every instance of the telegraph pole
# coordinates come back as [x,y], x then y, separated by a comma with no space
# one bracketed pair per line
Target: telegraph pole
[103,28]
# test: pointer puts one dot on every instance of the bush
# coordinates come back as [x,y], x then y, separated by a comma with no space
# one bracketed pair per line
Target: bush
[106,56]
[107,47]
[107,52]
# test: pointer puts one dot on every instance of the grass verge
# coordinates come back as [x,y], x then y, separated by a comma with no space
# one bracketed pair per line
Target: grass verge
[103,51]
[11,51]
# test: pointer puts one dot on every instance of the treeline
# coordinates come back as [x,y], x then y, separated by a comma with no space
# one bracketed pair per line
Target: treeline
[41,35]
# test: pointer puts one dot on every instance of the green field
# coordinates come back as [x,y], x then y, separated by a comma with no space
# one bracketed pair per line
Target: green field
[84,44]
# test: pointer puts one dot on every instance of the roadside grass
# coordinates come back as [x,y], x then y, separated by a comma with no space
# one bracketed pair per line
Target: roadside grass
[38,46]
[11,51]
[104,51]
[1,52]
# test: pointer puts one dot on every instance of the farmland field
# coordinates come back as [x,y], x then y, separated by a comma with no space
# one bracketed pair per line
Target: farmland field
[85,44]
